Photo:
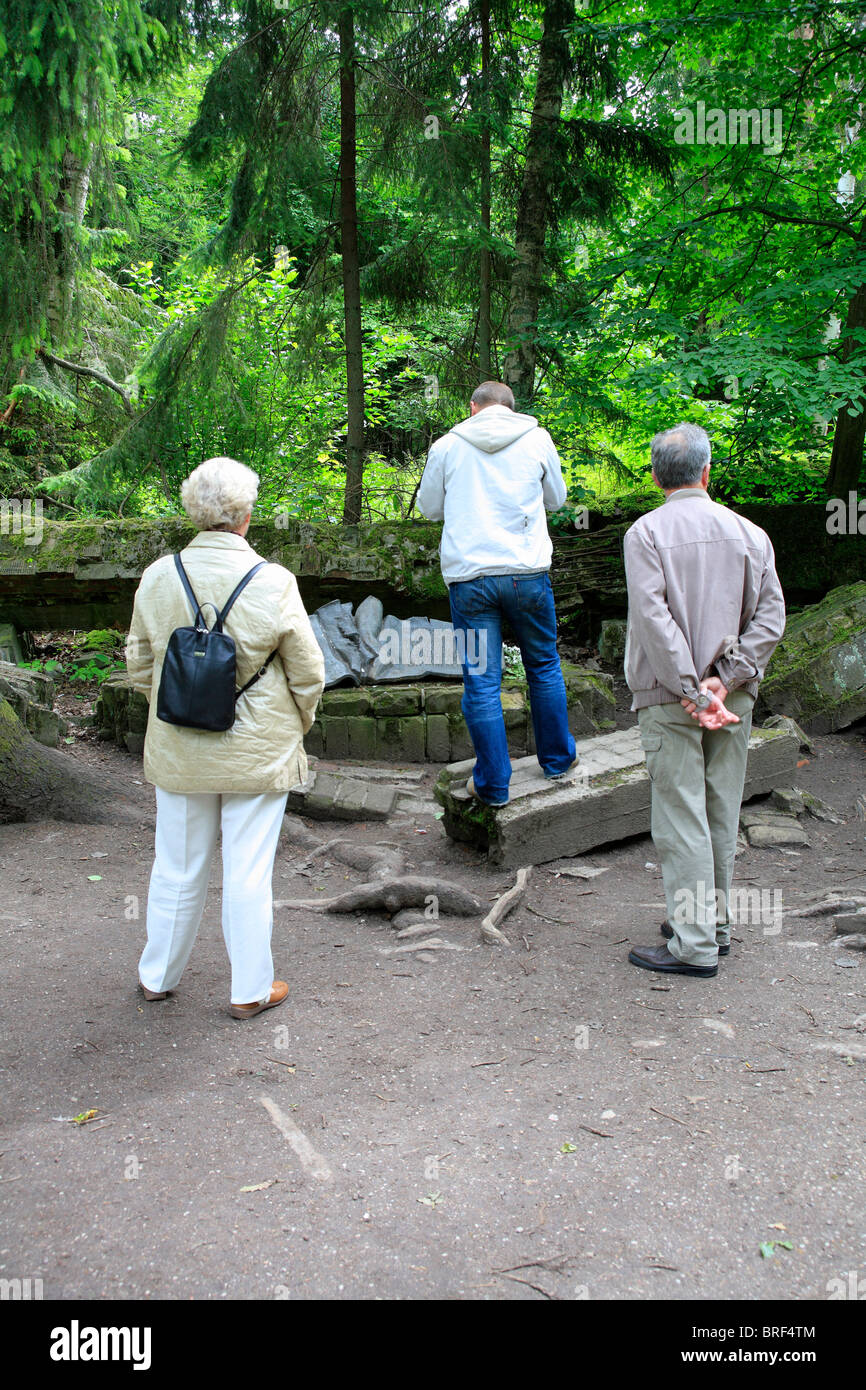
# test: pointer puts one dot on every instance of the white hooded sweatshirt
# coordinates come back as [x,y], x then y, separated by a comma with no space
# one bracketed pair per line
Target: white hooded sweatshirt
[490,479]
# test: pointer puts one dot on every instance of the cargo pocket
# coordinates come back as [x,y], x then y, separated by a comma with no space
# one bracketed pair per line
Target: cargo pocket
[651,743]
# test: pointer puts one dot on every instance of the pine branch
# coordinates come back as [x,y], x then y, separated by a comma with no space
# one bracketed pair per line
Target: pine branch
[101,377]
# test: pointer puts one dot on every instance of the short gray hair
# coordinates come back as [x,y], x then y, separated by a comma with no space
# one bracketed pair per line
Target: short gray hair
[220,494]
[680,455]
[493,393]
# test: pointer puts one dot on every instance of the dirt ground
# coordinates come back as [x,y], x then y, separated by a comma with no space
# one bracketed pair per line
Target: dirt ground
[542,1121]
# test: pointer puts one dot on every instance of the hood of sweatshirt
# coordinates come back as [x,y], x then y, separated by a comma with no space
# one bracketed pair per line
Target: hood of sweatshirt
[494,427]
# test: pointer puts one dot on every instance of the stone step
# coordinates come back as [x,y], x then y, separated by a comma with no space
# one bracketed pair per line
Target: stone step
[325,796]
[608,800]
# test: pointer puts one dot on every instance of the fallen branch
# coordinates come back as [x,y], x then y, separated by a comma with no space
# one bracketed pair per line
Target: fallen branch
[490,932]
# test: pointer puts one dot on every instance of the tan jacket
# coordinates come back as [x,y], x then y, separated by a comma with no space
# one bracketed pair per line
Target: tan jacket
[263,751]
[703,598]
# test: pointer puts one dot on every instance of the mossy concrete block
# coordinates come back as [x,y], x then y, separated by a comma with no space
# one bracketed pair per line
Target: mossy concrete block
[362,737]
[44,725]
[817,674]
[438,738]
[134,743]
[513,709]
[461,743]
[395,702]
[590,699]
[611,642]
[335,733]
[314,743]
[402,740]
[347,703]
[137,712]
[442,699]
[10,645]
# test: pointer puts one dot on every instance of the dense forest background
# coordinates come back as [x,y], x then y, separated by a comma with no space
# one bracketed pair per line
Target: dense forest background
[301,233]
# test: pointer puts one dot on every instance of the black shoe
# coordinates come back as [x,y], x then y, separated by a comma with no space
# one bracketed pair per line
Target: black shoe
[667,932]
[660,958]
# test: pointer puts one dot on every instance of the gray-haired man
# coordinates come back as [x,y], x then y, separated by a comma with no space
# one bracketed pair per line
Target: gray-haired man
[705,613]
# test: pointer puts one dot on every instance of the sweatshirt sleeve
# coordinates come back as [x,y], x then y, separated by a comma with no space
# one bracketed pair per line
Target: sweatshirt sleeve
[300,653]
[553,484]
[139,653]
[654,626]
[746,659]
[431,493]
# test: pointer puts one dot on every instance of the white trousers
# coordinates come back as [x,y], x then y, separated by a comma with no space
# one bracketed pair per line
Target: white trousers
[187,828]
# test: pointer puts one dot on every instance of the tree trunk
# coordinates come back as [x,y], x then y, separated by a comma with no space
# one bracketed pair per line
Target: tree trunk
[846,461]
[484,362]
[38,783]
[533,208]
[71,206]
[351,270]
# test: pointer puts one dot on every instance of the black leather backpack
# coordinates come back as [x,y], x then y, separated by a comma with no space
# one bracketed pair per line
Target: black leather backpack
[197,689]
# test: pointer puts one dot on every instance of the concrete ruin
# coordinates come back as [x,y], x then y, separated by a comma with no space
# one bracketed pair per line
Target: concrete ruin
[83,574]
[817,674]
[608,799]
[414,722]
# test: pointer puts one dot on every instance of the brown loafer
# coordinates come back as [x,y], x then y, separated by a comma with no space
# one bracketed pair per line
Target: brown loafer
[152,993]
[279,992]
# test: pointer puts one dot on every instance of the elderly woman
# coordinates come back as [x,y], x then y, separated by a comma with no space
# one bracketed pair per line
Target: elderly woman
[234,782]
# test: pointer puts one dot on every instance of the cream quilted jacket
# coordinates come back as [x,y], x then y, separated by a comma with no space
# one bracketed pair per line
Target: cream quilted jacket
[263,751]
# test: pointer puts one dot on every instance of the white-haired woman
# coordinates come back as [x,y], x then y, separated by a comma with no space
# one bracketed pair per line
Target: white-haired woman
[234,782]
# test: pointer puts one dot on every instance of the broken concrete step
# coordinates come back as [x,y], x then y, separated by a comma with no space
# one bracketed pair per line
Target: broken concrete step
[325,796]
[609,801]
[762,836]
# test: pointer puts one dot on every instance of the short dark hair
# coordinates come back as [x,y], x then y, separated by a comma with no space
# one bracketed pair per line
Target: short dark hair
[493,393]
[680,455]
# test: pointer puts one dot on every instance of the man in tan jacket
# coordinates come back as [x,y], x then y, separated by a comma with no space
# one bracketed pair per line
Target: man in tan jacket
[234,782]
[705,613]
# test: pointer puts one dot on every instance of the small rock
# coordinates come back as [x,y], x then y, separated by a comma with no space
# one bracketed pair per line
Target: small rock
[860,808]
[847,964]
[781,721]
[788,799]
[417,929]
[773,836]
[855,942]
[718,1026]
[850,922]
[407,917]
[429,943]
[820,810]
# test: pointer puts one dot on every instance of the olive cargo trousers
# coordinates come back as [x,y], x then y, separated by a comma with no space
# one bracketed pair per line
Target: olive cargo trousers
[697,778]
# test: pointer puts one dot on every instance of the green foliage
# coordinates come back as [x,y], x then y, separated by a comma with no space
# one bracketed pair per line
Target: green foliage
[202,273]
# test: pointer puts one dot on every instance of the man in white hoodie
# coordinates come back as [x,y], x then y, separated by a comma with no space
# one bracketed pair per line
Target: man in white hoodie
[491,479]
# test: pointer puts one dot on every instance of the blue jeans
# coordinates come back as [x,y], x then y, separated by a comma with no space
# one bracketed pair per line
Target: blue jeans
[477,609]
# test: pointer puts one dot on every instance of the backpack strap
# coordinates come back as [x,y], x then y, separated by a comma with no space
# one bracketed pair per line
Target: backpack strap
[184,579]
[239,589]
[257,677]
